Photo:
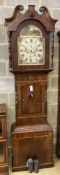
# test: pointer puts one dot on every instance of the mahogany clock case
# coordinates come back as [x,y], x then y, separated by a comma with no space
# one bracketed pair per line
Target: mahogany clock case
[31,127]
[30,69]
[3,141]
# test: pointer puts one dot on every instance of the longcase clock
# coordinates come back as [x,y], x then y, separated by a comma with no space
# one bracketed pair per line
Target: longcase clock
[58,116]
[3,142]
[31,49]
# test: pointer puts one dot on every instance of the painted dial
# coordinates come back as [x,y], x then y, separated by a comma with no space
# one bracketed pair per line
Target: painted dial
[31,46]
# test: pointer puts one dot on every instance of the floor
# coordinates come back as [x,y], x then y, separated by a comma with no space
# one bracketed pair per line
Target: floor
[47,171]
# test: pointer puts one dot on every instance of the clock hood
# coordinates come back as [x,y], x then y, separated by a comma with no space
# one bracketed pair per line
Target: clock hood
[43,16]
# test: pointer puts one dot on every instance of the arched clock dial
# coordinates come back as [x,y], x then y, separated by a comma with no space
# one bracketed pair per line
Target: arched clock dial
[31,46]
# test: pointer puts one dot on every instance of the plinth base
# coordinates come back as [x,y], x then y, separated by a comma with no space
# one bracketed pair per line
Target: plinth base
[34,141]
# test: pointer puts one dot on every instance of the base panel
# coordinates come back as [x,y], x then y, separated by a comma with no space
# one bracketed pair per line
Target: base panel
[32,141]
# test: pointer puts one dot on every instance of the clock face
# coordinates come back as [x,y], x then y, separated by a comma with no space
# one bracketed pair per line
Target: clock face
[31,46]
